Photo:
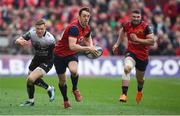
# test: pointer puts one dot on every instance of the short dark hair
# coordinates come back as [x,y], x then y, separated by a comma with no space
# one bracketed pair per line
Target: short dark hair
[136,11]
[40,22]
[84,9]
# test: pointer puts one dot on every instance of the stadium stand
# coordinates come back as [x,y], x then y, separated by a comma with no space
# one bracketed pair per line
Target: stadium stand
[17,16]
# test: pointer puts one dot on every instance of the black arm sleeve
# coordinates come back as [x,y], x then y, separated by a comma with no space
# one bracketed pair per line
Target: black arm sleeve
[148,30]
[73,31]
[27,36]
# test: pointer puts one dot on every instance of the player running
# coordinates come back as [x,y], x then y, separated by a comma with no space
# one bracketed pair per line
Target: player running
[140,37]
[65,53]
[43,43]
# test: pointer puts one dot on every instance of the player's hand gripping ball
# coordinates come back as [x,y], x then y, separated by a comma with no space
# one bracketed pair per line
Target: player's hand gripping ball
[94,56]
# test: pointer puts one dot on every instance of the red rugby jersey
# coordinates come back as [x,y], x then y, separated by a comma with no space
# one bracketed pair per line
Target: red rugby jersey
[62,46]
[141,30]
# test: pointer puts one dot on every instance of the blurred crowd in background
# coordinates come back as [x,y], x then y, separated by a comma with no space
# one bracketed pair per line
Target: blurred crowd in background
[107,16]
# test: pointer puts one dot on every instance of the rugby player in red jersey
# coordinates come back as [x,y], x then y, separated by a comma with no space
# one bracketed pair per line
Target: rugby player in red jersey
[65,52]
[140,36]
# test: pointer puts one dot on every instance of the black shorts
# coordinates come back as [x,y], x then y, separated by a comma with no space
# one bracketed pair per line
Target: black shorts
[61,63]
[44,63]
[140,64]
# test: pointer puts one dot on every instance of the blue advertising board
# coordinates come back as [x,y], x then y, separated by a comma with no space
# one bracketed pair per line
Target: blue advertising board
[102,67]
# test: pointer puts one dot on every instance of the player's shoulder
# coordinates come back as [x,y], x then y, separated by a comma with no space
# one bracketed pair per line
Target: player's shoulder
[49,35]
[74,23]
[144,23]
[125,24]
[32,31]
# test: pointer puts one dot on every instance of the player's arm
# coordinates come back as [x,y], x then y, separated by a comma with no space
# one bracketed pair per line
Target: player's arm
[149,40]
[75,47]
[120,38]
[78,48]
[23,40]
[73,33]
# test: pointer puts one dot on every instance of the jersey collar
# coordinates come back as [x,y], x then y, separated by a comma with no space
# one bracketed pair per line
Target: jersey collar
[44,34]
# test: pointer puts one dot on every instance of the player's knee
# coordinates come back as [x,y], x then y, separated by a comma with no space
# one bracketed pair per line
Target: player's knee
[129,64]
[62,79]
[30,79]
[74,72]
[127,69]
[62,82]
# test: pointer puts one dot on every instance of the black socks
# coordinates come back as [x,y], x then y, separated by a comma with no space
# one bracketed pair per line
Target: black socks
[63,90]
[74,81]
[30,91]
[41,83]
[124,89]
[140,86]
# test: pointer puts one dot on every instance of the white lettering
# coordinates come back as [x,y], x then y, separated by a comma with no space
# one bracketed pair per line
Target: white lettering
[108,68]
[171,67]
[156,67]
[91,67]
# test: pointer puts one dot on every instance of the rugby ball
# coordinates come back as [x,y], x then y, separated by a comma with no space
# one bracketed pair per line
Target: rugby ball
[92,56]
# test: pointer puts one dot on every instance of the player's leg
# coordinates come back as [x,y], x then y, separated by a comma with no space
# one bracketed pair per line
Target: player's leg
[73,67]
[140,71]
[140,81]
[30,86]
[35,78]
[45,68]
[60,64]
[74,75]
[63,89]
[129,64]
[30,91]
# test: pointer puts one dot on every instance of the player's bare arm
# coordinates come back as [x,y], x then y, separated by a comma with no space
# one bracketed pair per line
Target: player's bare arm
[21,41]
[148,41]
[120,38]
[75,47]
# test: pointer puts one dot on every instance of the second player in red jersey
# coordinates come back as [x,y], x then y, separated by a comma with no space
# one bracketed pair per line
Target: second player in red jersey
[141,30]
[65,53]
[140,37]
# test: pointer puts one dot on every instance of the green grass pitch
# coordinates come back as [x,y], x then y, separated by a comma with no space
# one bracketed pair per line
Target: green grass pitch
[161,96]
